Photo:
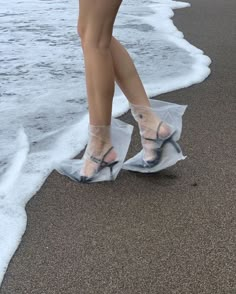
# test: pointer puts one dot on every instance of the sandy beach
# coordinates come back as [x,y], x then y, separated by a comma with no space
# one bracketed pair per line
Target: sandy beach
[169,232]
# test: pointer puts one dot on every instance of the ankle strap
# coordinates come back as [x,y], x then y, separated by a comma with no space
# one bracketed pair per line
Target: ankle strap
[158,128]
[97,160]
[107,152]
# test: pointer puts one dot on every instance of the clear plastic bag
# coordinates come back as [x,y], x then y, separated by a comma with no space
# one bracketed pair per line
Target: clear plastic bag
[170,113]
[120,137]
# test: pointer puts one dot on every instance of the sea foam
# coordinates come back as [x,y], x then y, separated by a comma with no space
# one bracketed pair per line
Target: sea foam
[43,105]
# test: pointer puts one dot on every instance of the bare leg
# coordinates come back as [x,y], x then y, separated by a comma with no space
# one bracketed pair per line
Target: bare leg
[130,83]
[126,74]
[95,25]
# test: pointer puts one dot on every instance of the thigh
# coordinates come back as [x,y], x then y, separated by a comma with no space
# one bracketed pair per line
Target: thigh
[96,19]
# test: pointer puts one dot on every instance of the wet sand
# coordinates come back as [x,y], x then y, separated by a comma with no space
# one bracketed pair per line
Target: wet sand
[170,232]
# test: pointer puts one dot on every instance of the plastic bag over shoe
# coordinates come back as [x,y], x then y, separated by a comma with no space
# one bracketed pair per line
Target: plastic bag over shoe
[171,114]
[120,134]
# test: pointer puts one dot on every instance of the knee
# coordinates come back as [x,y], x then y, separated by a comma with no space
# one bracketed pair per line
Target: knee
[89,39]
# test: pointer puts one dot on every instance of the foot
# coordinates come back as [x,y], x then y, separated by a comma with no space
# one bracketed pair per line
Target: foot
[97,149]
[148,129]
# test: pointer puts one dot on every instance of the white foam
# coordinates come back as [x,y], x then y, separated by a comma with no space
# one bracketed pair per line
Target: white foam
[43,108]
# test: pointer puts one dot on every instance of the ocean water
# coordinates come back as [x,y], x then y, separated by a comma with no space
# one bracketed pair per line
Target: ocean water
[43,104]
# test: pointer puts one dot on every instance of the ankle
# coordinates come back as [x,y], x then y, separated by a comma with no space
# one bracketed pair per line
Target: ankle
[150,127]
[144,115]
[97,147]
[101,132]
[99,136]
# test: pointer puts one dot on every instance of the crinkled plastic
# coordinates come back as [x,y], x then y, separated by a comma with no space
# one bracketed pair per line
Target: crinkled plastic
[170,113]
[120,137]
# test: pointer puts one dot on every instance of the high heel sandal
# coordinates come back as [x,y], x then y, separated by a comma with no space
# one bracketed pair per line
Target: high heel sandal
[75,176]
[160,142]
[145,117]
[100,154]
[102,164]
[156,153]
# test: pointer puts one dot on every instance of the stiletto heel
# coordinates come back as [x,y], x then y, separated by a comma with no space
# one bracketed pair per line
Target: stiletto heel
[176,145]
[111,169]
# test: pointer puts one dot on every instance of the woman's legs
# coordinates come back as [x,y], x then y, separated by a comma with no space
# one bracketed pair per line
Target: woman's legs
[95,26]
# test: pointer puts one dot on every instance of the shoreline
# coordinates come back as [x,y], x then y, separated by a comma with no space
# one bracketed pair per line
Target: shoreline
[121,236]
